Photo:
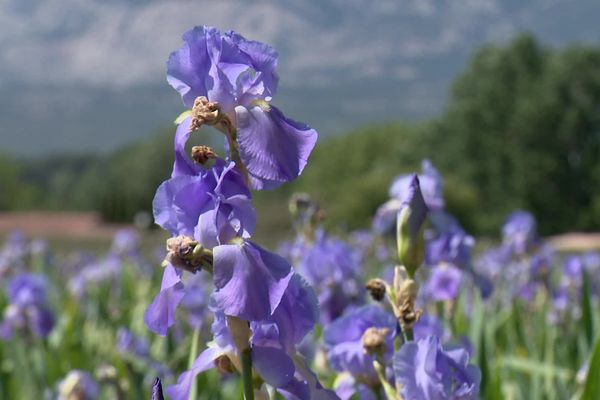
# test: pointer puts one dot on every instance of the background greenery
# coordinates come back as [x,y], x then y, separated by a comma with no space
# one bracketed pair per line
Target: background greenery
[521,129]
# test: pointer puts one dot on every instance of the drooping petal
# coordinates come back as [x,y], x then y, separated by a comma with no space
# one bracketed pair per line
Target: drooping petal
[205,361]
[273,148]
[183,165]
[273,365]
[295,316]
[249,280]
[160,314]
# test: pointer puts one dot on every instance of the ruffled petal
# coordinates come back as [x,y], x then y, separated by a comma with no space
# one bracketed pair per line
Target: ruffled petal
[273,148]
[188,67]
[204,362]
[249,280]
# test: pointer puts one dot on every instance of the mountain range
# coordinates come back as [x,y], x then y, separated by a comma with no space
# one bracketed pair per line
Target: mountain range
[89,75]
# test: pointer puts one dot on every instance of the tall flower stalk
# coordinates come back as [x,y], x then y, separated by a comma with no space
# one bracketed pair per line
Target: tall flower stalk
[228,82]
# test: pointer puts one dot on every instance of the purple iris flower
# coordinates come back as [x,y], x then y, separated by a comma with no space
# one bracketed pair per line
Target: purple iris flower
[213,206]
[95,272]
[240,76]
[573,269]
[343,340]
[448,243]
[443,283]
[541,264]
[129,344]
[432,186]
[428,325]
[272,346]
[28,310]
[334,270]
[427,371]
[519,231]
[126,243]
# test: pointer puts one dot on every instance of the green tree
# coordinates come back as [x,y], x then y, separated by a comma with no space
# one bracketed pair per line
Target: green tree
[522,129]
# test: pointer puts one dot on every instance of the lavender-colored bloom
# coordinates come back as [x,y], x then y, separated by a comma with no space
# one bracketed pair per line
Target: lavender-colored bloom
[129,344]
[443,283]
[429,325]
[249,280]
[78,384]
[126,243]
[240,76]
[449,243]
[432,186]
[333,268]
[272,346]
[213,206]
[519,231]
[427,371]
[343,339]
[541,264]
[573,269]
[28,308]
[97,271]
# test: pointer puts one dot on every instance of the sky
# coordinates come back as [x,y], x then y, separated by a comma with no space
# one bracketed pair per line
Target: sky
[89,75]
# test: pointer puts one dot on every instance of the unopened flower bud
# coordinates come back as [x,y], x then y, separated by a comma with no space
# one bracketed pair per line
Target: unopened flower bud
[157,392]
[376,288]
[205,112]
[373,340]
[409,229]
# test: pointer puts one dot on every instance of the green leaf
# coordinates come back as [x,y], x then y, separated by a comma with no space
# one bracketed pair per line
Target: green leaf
[586,310]
[591,390]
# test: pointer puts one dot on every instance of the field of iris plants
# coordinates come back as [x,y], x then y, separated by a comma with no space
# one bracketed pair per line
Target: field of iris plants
[410,309]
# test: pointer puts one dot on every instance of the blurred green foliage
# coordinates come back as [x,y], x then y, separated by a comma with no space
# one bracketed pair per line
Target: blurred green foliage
[521,129]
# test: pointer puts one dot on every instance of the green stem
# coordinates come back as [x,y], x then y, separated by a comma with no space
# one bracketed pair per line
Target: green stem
[191,359]
[409,335]
[390,392]
[247,375]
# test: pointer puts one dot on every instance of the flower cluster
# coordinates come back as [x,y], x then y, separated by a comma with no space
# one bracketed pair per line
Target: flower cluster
[28,311]
[261,308]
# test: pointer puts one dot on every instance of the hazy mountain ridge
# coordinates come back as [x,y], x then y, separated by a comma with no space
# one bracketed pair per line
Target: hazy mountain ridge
[88,75]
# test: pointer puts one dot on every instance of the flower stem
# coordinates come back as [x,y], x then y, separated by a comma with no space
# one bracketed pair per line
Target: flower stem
[191,359]
[390,392]
[247,374]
